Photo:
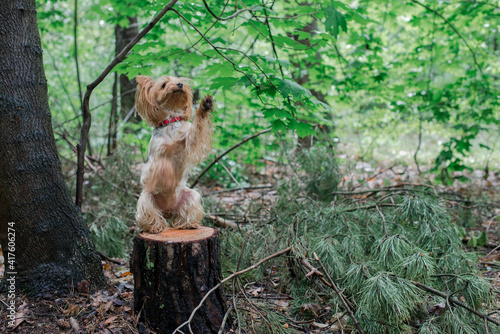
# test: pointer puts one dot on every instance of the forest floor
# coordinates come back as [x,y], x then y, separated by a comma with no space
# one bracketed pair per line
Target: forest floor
[111,310]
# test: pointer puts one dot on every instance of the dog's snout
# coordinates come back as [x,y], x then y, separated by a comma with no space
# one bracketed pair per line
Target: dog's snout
[180,85]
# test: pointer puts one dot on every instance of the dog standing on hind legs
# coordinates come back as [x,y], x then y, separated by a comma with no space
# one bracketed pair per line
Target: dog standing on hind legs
[175,147]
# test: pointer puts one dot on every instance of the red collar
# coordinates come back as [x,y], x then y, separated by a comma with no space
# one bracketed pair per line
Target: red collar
[166,122]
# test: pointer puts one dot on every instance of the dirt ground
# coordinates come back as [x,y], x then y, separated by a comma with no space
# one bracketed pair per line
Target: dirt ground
[111,310]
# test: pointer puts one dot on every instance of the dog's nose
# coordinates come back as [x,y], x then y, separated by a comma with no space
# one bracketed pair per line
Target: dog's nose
[180,85]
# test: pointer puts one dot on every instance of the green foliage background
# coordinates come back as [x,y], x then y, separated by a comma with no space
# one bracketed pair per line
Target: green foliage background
[386,68]
[371,77]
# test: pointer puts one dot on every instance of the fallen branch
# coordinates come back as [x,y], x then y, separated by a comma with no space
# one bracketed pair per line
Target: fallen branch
[234,179]
[224,320]
[454,301]
[312,270]
[340,295]
[256,265]
[107,258]
[217,158]
[222,222]
[237,189]
[87,117]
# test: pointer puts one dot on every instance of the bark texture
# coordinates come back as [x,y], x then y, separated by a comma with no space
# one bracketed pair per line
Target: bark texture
[302,77]
[173,271]
[123,36]
[53,248]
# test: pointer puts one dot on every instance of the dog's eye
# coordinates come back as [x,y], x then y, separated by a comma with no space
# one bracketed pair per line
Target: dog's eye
[164,85]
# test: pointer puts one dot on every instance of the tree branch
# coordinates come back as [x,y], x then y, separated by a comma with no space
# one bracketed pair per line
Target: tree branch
[75,37]
[217,158]
[238,12]
[456,32]
[235,66]
[87,117]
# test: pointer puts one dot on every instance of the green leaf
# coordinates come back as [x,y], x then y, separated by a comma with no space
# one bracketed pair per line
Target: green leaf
[289,87]
[276,113]
[303,129]
[461,232]
[223,82]
[482,239]
[278,125]
[334,20]
[194,58]
[472,242]
[216,69]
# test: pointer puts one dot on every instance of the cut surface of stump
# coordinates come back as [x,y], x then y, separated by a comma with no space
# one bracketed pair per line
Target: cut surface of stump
[173,271]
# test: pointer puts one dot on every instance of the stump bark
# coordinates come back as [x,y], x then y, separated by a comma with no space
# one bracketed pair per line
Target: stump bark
[173,271]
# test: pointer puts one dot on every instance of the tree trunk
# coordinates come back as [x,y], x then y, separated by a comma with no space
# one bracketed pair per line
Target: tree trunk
[53,248]
[123,36]
[173,271]
[302,77]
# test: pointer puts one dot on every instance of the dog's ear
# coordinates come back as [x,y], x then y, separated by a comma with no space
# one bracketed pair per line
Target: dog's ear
[145,101]
[144,80]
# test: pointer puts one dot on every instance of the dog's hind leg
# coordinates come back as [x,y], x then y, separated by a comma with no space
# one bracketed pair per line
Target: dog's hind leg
[149,217]
[189,211]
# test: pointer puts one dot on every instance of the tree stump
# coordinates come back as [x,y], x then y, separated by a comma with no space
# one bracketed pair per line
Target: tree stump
[173,271]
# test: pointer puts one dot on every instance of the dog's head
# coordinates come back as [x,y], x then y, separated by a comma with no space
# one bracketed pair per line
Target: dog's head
[167,97]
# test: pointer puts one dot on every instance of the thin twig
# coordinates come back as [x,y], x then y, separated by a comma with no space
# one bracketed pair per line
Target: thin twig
[221,222]
[224,320]
[456,32]
[482,3]
[63,86]
[107,258]
[233,178]
[236,189]
[494,249]
[235,66]
[454,301]
[340,295]
[217,158]
[236,13]
[74,149]
[75,38]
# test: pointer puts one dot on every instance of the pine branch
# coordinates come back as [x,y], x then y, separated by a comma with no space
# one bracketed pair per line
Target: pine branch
[454,301]
[340,295]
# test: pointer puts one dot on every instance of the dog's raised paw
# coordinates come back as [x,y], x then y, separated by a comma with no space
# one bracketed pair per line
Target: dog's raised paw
[207,103]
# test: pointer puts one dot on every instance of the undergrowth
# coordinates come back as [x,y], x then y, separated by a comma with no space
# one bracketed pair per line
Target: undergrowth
[117,186]
[374,247]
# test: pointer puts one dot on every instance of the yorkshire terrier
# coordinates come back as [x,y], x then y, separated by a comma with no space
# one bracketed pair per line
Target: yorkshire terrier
[175,147]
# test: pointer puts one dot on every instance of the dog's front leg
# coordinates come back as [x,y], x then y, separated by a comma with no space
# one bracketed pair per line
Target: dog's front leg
[200,137]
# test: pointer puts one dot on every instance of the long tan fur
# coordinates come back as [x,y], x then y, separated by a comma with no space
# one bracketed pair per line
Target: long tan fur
[173,150]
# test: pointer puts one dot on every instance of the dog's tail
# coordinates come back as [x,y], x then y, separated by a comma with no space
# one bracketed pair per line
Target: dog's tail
[161,177]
